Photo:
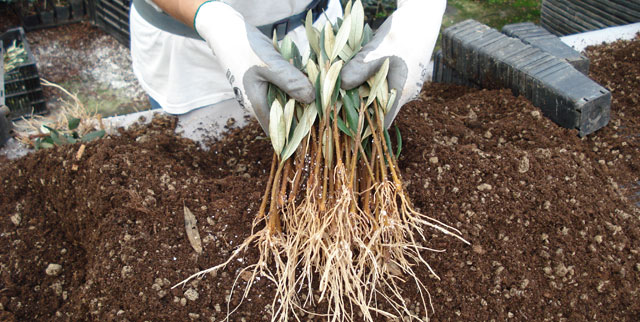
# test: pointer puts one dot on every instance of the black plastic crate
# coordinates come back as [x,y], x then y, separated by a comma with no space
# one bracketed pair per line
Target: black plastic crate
[112,16]
[22,88]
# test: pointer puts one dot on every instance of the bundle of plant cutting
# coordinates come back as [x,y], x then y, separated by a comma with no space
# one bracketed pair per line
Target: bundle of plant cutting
[335,219]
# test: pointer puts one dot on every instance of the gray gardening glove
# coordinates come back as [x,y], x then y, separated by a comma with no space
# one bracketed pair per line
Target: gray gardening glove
[250,59]
[407,38]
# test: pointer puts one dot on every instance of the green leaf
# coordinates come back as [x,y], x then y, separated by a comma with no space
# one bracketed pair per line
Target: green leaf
[48,140]
[367,34]
[378,79]
[383,95]
[301,131]
[391,100]
[46,145]
[274,40]
[343,127]
[276,127]
[51,130]
[351,111]
[341,38]
[318,96]
[398,142]
[296,56]
[93,135]
[312,71]
[346,54]
[289,108]
[347,8]
[312,34]
[336,91]
[329,84]
[73,123]
[357,26]
[286,48]
[329,40]
[271,94]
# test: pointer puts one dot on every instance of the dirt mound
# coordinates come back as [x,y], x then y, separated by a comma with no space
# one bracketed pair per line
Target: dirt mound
[554,236]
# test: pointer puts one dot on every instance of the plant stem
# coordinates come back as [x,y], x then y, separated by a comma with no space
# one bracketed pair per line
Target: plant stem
[263,205]
[274,216]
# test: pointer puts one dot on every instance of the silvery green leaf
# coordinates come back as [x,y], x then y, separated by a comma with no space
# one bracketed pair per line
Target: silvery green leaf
[383,94]
[286,48]
[303,128]
[289,108]
[329,39]
[341,38]
[364,91]
[276,127]
[93,135]
[357,26]
[378,79]
[312,71]
[392,99]
[366,132]
[296,58]
[274,40]
[367,34]
[312,34]
[299,111]
[329,83]
[347,8]
[346,53]
[318,87]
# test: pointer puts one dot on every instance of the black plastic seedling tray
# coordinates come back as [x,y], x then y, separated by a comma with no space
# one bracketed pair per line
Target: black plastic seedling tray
[22,89]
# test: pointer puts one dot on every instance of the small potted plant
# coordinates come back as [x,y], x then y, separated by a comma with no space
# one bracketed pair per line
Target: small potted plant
[62,10]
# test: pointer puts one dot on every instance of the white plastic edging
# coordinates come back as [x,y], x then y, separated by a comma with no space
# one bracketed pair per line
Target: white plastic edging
[596,37]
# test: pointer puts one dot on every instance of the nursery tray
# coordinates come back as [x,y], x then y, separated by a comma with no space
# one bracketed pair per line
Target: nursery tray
[442,73]
[112,16]
[53,17]
[22,89]
[536,36]
[563,17]
[493,60]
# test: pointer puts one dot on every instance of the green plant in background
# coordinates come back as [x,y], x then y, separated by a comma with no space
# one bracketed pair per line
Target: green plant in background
[494,13]
[70,135]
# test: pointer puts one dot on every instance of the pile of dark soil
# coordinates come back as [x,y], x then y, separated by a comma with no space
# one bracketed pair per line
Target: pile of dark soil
[555,236]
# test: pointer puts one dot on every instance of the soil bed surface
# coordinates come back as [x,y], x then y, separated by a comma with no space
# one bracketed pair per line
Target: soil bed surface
[551,217]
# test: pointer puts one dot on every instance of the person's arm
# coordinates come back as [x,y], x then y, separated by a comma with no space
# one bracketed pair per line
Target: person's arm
[249,58]
[182,10]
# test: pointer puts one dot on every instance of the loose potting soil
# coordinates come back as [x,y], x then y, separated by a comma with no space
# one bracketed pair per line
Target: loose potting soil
[551,217]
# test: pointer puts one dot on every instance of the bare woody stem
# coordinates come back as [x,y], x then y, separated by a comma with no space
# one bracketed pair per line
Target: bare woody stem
[263,205]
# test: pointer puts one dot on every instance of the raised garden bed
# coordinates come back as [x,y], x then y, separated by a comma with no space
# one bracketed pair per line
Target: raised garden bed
[554,236]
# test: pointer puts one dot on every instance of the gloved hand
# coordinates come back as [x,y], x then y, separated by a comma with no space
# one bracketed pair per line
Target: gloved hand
[250,59]
[407,38]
